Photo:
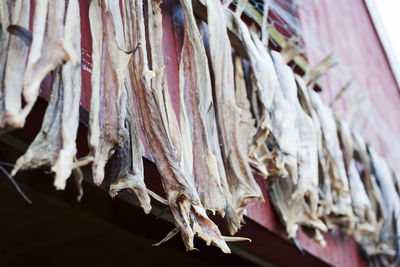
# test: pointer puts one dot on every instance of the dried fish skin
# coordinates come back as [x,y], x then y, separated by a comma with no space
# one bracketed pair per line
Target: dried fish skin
[291,212]
[127,165]
[246,121]
[14,67]
[162,132]
[242,183]
[195,84]
[43,151]
[334,160]
[48,35]
[363,159]
[266,83]
[377,213]
[324,180]
[390,198]
[289,142]
[55,145]
[366,223]
[5,20]
[110,65]
[72,80]
[346,141]
[298,201]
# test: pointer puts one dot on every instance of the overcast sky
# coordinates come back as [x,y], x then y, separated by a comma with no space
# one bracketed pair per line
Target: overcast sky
[389,11]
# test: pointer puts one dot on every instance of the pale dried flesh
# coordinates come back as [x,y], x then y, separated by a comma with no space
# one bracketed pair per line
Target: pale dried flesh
[162,131]
[13,62]
[126,169]
[242,183]
[298,202]
[391,203]
[333,158]
[110,66]
[55,145]
[50,47]
[195,84]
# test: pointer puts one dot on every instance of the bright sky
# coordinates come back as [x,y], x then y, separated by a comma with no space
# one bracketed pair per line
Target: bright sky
[389,11]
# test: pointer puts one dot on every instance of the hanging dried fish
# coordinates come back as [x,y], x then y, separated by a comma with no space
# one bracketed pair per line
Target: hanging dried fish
[302,196]
[246,121]
[346,141]
[363,160]
[391,201]
[197,96]
[15,55]
[50,47]
[364,225]
[162,130]
[126,170]
[333,156]
[283,135]
[376,214]
[110,66]
[324,183]
[45,148]
[71,79]
[266,83]
[55,144]
[242,183]
[5,20]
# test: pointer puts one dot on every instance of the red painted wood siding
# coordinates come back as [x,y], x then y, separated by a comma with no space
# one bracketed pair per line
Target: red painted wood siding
[345,26]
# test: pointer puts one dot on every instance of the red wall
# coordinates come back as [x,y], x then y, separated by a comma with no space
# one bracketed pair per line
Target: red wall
[345,27]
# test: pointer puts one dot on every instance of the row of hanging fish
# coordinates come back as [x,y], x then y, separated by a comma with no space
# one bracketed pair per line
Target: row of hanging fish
[244,114]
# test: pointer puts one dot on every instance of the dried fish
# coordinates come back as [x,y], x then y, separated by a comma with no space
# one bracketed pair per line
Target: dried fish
[324,183]
[110,66]
[266,83]
[5,20]
[364,224]
[50,47]
[195,85]
[346,141]
[55,144]
[391,201]
[242,183]
[247,128]
[301,198]
[126,169]
[14,66]
[45,148]
[334,160]
[71,79]
[377,213]
[162,131]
